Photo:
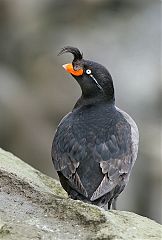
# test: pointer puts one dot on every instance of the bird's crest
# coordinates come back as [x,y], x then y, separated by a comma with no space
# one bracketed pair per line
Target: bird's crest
[75,51]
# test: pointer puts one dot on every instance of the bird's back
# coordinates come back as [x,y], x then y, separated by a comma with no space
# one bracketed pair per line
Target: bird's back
[86,139]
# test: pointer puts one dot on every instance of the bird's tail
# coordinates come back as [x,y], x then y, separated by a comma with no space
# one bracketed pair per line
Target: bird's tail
[104,201]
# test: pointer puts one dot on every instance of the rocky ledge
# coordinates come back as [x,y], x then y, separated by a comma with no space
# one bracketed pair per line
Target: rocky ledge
[34,206]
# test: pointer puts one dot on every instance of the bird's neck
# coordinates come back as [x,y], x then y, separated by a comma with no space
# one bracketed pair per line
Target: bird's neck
[82,101]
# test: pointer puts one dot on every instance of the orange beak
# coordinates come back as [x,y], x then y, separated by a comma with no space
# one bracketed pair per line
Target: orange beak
[69,68]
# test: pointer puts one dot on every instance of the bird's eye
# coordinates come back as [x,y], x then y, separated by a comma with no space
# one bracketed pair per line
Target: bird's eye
[88,71]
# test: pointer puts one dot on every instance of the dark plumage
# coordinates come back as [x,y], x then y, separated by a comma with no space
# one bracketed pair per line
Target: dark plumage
[95,145]
[75,51]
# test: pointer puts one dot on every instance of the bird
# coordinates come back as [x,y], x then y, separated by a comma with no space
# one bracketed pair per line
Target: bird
[95,145]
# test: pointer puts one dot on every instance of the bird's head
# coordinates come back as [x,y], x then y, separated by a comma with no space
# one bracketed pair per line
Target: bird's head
[93,78]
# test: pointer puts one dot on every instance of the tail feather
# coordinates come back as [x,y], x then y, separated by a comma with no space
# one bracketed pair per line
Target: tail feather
[103,201]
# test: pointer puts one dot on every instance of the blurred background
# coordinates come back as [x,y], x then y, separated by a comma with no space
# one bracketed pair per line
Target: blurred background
[35,91]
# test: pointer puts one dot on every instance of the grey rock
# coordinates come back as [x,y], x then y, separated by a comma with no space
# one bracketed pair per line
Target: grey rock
[34,206]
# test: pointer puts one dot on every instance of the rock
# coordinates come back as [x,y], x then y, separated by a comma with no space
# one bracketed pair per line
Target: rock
[34,206]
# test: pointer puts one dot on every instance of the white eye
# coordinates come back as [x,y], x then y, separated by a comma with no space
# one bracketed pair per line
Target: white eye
[88,71]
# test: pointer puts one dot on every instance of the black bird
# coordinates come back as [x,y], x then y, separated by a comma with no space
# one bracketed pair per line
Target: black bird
[95,146]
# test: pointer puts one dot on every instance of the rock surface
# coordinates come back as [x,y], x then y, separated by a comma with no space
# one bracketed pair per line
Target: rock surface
[34,206]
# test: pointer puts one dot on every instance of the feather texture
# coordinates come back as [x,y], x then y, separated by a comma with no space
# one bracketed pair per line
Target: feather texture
[75,51]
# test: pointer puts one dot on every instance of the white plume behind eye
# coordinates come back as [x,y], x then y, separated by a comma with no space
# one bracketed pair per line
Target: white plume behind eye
[88,71]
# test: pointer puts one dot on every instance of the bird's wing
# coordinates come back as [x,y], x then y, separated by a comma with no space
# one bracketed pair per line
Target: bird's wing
[115,158]
[67,154]
[112,151]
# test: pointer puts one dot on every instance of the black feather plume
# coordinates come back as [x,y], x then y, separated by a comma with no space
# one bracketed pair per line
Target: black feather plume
[75,51]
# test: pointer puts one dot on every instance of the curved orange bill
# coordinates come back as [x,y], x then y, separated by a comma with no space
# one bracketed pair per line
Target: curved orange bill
[69,68]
